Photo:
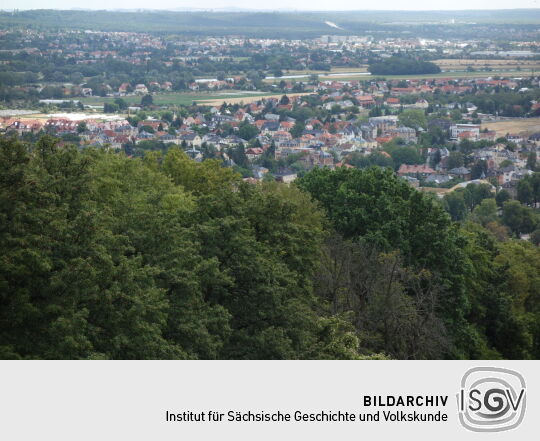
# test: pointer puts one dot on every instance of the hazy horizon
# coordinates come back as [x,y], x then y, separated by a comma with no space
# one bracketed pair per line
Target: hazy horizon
[279,5]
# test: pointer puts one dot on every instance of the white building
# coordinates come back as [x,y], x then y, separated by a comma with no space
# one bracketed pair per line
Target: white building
[457,129]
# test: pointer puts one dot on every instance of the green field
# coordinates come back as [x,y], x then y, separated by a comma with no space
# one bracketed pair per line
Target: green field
[457,74]
[187,98]
[462,74]
[362,68]
[176,98]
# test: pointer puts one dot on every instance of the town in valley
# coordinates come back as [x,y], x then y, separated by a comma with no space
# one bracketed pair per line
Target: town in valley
[270,185]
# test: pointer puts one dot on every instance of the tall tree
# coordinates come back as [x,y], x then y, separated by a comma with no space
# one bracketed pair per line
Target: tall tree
[375,206]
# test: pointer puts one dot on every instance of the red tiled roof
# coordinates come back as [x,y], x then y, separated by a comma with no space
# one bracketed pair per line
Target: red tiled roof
[406,169]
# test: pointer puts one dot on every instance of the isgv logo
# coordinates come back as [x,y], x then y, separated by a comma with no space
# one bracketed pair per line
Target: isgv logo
[491,399]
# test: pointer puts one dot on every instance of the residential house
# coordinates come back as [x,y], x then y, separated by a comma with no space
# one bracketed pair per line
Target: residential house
[141,89]
[415,170]
[461,173]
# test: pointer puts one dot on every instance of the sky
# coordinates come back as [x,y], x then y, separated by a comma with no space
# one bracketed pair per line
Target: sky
[319,5]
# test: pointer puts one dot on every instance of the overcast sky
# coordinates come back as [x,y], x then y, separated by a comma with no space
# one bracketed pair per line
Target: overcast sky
[274,4]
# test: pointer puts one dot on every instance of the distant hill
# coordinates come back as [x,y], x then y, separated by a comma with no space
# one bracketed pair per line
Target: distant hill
[442,24]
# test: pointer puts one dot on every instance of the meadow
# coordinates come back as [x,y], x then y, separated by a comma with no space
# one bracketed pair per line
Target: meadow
[183,98]
[510,64]
[516,126]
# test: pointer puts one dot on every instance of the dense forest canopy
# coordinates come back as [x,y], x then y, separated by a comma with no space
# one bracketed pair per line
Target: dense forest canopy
[105,256]
[108,257]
